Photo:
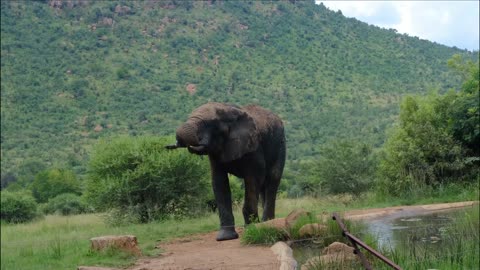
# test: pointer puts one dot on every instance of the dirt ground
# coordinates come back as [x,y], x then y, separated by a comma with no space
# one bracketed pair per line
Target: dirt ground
[202,251]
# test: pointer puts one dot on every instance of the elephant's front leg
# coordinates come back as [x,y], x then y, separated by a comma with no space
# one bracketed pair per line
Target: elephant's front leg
[223,197]
[250,204]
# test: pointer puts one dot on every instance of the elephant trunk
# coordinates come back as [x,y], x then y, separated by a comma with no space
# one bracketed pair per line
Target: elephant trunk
[187,134]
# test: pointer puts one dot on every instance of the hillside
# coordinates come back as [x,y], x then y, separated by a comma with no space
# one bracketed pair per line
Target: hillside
[75,71]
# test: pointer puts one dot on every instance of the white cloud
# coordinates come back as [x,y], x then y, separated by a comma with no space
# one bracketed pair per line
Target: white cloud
[453,23]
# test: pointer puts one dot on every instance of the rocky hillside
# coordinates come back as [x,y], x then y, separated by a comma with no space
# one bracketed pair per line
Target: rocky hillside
[76,71]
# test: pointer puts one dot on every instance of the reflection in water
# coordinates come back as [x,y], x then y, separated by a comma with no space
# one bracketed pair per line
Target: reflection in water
[426,229]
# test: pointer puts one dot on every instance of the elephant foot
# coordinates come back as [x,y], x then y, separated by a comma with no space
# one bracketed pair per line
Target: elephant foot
[227,233]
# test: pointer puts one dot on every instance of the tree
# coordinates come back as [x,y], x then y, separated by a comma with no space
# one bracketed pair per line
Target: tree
[52,182]
[436,139]
[17,207]
[139,176]
[346,166]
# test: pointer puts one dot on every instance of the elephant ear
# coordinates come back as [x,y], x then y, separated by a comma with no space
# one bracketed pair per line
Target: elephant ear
[240,133]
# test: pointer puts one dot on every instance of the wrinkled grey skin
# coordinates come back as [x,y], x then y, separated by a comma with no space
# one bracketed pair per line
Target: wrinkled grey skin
[248,142]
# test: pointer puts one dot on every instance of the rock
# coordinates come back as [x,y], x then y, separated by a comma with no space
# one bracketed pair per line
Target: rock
[278,223]
[191,88]
[122,10]
[335,262]
[284,256]
[338,254]
[106,21]
[337,247]
[294,216]
[314,229]
[126,243]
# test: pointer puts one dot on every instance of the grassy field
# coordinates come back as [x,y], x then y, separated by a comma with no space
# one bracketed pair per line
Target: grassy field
[59,242]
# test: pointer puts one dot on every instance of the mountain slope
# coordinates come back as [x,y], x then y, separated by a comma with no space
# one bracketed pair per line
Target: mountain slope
[75,71]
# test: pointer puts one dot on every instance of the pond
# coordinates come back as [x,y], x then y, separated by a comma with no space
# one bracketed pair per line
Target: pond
[428,232]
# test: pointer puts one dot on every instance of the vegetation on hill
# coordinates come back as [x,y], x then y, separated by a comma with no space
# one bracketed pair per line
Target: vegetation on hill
[75,71]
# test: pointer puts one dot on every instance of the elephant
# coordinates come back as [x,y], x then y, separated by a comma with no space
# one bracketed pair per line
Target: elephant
[248,142]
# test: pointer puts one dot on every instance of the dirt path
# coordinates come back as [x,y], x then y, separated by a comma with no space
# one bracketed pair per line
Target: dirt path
[201,251]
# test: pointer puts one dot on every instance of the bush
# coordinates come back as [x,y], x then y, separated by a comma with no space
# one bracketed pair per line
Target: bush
[140,174]
[65,204]
[53,182]
[436,140]
[17,207]
[347,167]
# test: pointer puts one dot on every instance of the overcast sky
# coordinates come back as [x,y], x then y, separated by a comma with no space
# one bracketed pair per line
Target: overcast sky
[452,23]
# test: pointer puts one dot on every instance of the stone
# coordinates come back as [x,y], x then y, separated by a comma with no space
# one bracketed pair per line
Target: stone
[338,247]
[278,223]
[123,10]
[191,88]
[294,216]
[338,255]
[126,243]
[313,229]
[284,256]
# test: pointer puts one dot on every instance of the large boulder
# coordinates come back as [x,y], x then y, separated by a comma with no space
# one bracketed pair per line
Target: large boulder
[284,256]
[126,243]
[278,223]
[339,248]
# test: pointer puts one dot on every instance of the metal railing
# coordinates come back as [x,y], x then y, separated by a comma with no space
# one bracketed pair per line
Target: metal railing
[357,242]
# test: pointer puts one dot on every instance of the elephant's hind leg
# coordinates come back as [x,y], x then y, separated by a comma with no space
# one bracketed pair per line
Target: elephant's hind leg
[272,182]
[250,205]
[269,204]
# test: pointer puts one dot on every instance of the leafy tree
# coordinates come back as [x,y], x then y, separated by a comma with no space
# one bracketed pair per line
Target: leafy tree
[66,204]
[436,139]
[17,207]
[464,112]
[52,182]
[346,167]
[139,175]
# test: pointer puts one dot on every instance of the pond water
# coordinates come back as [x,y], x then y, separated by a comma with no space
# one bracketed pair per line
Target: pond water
[407,228]
[426,229]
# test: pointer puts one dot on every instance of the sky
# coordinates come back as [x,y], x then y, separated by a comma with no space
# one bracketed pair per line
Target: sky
[452,23]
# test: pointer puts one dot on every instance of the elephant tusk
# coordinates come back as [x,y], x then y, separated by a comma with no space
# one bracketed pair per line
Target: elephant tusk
[197,148]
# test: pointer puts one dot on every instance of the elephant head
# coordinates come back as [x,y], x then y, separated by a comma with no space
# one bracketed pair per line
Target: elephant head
[224,131]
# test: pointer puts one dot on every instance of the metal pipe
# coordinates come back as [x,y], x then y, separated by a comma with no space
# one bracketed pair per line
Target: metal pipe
[354,240]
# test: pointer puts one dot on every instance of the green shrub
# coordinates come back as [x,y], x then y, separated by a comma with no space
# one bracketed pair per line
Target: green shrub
[138,176]
[66,204]
[346,167]
[17,207]
[53,182]
[435,141]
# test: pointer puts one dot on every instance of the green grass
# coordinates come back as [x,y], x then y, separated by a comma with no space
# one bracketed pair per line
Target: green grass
[262,235]
[59,242]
